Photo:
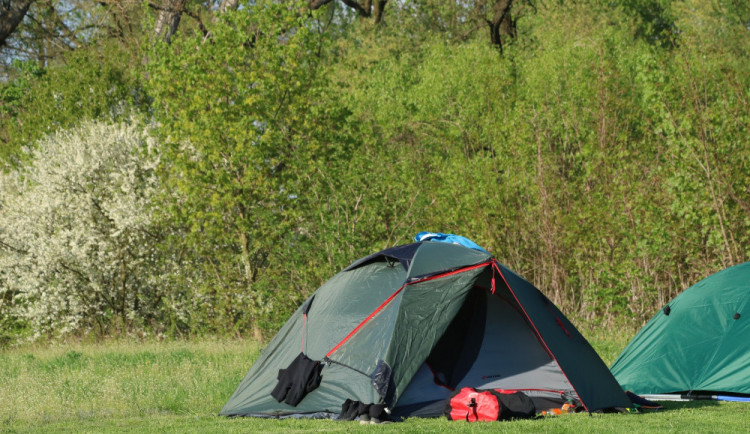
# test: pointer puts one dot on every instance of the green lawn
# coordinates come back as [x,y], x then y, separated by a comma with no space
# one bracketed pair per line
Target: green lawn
[181,386]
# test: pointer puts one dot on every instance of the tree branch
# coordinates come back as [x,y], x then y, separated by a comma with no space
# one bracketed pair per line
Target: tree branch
[362,10]
[197,18]
[5,245]
[11,15]
[317,4]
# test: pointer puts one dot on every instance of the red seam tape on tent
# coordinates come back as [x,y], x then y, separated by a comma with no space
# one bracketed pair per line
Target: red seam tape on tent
[388,300]
[450,273]
[541,339]
[434,379]
[366,320]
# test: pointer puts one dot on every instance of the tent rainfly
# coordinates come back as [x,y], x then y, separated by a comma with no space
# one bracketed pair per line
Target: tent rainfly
[695,346]
[397,331]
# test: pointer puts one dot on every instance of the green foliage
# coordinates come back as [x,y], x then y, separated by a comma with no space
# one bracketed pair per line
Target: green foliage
[12,93]
[91,85]
[95,83]
[12,98]
[603,155]
[652,20]
[704,119]
[564,144]
[236,113]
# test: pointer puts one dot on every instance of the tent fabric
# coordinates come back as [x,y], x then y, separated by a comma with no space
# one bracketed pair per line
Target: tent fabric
[697,342]
[407,325]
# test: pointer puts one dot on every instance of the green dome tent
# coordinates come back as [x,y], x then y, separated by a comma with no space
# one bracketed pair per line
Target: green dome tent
[699,342]
[402,328]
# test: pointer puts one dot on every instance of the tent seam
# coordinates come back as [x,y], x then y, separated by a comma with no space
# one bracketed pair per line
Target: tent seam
[541,338]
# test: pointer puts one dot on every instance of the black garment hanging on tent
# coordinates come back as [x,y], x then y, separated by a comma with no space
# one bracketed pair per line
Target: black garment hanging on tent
[301,377]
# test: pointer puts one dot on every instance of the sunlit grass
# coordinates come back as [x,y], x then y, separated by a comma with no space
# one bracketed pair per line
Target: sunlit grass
[180,386]
[120,379]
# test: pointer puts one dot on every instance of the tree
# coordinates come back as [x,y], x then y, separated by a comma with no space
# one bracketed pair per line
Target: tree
[50,28]
[363,8]
[169,14]
[46,30]
[235,113]
[498,16]
[499,20]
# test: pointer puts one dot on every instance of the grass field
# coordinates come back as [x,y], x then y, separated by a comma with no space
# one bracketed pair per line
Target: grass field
[180,387]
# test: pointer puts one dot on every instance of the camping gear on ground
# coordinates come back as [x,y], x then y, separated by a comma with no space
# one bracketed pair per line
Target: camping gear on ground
[474,405]
[568,407]
[404,328]
[696,345]
[351,410]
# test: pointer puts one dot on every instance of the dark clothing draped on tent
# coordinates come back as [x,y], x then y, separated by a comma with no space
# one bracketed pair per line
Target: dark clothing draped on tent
[403,328]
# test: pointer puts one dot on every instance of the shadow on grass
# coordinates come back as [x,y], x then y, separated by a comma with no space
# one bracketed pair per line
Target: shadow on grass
[682,405]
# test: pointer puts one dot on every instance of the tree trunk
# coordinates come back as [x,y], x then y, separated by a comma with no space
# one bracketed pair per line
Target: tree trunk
[378,12]
[247,264]
[501,23]
[168,19]
[11,15]
[228,5]
[364,8]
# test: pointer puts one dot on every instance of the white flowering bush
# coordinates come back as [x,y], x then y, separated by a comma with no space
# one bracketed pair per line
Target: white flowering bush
[77,250]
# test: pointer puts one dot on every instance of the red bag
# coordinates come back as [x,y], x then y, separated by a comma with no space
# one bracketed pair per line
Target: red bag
[473,405]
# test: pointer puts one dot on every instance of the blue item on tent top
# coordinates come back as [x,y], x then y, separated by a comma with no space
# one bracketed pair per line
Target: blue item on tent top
[449,238]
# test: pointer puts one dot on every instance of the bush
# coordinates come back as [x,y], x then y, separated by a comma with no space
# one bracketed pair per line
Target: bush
[76,250]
